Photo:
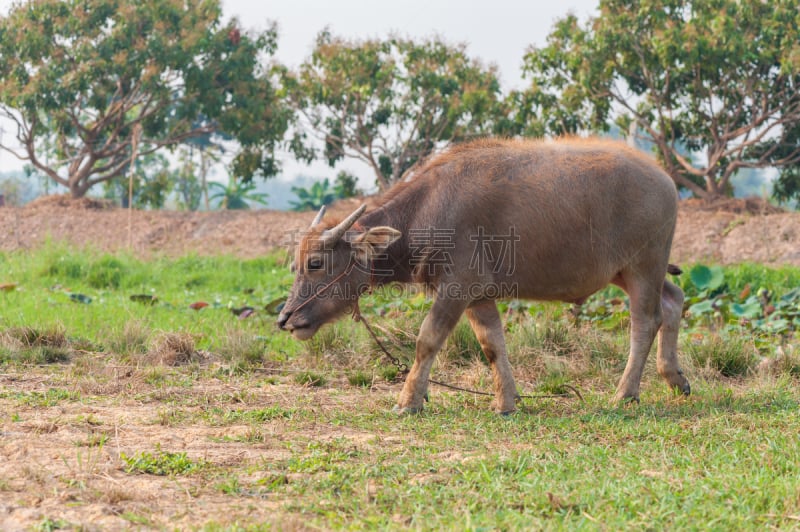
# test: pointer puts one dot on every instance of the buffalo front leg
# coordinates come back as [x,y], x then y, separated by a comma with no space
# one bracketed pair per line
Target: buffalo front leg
[437,325]
[667,359]
[485,322]
[645,300]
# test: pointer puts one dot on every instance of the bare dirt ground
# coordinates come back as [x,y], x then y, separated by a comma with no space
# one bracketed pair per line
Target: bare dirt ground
[729,232]
[62,465]
[61,462]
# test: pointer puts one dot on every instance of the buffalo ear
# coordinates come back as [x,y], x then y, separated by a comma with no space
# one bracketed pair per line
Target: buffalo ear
[373,241]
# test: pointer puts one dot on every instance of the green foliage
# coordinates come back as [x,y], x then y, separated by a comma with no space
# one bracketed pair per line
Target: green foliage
[49,398]
[229,486]
[160,463]
[188,185]
[389,103]
[345,185]
[107,272]
[463,343]
[80,78]
[153,182]
[787,186]
[322,193]
[312,198]
[705,278]
[360,379]
[115,323]
[48,525]
[716,77]
[16,190]
[746,298]
[730,306]
[237,195]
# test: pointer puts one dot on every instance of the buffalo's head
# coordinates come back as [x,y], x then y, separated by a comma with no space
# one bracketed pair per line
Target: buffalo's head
[333,266]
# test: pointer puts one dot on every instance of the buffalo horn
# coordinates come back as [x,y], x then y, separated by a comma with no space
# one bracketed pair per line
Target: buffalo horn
[318,219]
[335,234]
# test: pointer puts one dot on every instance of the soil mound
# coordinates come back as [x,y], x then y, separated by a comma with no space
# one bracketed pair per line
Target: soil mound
[65,201]
[725,231]
[751,205]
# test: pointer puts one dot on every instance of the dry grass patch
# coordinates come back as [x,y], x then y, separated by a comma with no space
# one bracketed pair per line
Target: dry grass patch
[133,339]
[29,345]
[240,347]
[172,349]
[722,355]
[22,337]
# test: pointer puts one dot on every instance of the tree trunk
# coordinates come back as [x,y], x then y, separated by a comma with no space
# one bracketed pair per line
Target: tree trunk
[77,189]
[203,177]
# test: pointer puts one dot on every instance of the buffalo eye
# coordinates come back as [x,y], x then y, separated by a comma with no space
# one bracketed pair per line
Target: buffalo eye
[314,264]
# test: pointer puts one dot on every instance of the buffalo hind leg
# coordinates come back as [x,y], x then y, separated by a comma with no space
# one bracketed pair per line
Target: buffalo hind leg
[645,302]
[436,326]
[667,360]
[485,322]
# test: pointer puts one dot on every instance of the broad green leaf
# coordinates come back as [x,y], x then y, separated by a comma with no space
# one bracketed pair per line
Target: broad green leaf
[705,278]
[704,307]
[750,310]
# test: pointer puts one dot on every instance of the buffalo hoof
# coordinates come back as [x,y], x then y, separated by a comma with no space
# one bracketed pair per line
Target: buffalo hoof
[406,410]
[626,399]
[679,383]
[684,387]
[505,406]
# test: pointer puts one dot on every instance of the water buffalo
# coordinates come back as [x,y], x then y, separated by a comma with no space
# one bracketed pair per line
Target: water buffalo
[489,219]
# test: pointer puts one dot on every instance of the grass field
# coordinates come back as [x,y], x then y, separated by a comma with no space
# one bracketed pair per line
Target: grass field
[143,412]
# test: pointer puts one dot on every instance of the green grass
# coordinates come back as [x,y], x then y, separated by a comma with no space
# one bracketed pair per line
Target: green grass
[308,428]
[726,458]
[112,321]
[160,463]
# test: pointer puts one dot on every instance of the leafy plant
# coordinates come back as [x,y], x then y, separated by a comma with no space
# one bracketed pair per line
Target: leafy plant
[346,185]
[230,486]
[153,181]
[711,303]
[312,198]
[159,463]
[237,194]
[360,379]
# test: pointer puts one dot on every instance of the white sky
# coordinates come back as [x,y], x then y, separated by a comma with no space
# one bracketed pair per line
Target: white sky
[496,31]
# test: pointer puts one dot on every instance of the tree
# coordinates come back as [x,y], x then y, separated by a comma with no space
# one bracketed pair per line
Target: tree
[787,186]
[190,189]
[389,103]
[237,194]
[210,148]
[78,76]
[153,181]
[15,190]
[345,185]
[719,77]
[312,198]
